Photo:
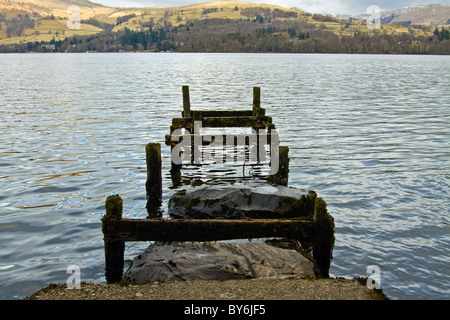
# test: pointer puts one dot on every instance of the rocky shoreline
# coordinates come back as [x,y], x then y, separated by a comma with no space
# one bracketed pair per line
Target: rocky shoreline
[236,289]
[236,271]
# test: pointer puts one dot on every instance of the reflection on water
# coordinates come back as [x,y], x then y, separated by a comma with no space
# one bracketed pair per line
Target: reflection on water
[369,134]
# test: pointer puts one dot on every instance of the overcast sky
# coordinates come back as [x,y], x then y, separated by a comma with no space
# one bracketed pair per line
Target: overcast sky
[313,6]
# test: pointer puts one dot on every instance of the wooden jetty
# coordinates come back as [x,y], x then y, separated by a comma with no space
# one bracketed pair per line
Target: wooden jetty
[317,233]
[263,133]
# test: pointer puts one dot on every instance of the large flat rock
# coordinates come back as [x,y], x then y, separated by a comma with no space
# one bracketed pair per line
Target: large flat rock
[241,201]
[218,260]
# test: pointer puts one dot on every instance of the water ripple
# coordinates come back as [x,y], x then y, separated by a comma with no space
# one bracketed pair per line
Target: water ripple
[369,133]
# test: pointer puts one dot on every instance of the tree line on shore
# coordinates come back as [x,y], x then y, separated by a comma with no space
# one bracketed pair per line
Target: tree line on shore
[244,35]
[15,26]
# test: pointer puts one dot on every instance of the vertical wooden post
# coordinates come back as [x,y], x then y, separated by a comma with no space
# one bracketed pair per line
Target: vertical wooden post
[281,177]
[186,102]
[196,142]
[114,249]
[256,99]
[175,171]
[153,185]
[284,166]
[256,112]
[324,240]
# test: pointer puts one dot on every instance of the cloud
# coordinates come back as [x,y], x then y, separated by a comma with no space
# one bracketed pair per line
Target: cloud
[146,3]
[347,6]
[318,6]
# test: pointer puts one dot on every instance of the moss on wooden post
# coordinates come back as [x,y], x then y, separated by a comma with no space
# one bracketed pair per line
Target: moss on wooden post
[323,246]
[114,249]
[186,102]
[153,185]
[113,207]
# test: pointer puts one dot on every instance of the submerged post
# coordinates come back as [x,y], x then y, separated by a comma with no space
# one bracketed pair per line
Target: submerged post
[283,171]
[324,243]
[153,185]
[114,249]
[281,177]
[186,102]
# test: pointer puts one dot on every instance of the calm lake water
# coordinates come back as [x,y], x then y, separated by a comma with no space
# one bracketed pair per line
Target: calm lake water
[369,133]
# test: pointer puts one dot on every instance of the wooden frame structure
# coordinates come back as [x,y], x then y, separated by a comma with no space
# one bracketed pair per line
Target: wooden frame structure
[316,234]
[262,127]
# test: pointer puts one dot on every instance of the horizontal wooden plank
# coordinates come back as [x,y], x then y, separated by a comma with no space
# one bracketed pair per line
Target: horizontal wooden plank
[224,113]
[207,229]
[223,122]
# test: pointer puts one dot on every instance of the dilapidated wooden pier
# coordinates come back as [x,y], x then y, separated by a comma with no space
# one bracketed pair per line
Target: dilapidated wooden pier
[263,133]
[315,234]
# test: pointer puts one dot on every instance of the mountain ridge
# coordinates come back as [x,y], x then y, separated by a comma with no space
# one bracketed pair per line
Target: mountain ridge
[432,14]
[57,8]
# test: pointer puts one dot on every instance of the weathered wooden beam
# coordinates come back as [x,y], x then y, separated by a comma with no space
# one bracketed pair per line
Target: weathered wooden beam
[225,113]
[186,102]
[208,229]
[229,113]
[223,122]
[153,184]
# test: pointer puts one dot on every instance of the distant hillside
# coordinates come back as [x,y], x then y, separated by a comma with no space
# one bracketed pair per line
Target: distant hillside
[57,8]
[220,26]
[22,21]
[433,15]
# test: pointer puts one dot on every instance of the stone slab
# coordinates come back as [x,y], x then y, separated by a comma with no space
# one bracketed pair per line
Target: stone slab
[242,201]
[218,261]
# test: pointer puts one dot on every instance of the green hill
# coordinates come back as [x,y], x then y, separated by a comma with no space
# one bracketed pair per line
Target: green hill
[219,26]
